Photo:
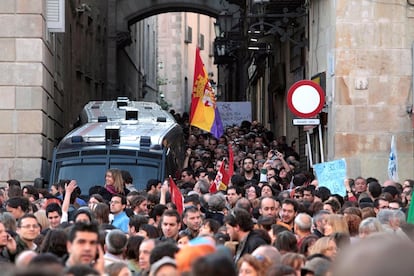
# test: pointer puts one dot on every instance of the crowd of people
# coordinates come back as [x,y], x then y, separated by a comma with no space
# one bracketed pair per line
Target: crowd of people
[272,218]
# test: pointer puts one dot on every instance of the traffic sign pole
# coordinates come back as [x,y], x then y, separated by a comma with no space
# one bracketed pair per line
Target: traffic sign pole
[305,99]
[321,143]
[309,149]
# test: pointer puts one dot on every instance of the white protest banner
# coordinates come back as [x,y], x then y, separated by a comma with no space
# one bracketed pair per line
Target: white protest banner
[393,161]
[233,113]
[331,175]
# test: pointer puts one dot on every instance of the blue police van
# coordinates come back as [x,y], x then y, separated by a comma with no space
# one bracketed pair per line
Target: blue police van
[139,137]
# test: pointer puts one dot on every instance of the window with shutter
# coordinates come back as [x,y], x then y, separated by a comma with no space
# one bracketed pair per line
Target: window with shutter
[201,42]
[188,35]
[55,15]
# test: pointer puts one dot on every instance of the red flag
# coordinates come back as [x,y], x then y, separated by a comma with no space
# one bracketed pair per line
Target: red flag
[222,178]
[176,196]
[213,187]
[231,161]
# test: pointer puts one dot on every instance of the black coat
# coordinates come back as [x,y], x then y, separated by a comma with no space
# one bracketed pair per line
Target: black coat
[247,246]
[107,195]
[217,216]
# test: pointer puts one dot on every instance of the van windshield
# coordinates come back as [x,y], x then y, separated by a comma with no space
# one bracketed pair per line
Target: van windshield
[89,175]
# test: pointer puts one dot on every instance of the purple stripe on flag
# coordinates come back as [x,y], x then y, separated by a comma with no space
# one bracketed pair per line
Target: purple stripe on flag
[217,126]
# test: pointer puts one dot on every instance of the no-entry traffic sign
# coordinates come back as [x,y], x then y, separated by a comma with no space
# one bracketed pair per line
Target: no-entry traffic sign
[305,99]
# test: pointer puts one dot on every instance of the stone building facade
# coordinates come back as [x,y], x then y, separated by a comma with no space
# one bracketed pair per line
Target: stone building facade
[45,79]
[366,50]
[137,62]
[30,96]
[362,52]
[176,55]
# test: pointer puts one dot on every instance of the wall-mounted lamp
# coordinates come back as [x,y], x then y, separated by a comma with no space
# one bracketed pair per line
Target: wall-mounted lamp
[224,44]
[217,30]
[224,23]
[220,46]
[83,7]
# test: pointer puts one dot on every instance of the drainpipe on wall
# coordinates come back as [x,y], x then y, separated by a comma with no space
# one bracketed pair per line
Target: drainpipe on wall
[410,108]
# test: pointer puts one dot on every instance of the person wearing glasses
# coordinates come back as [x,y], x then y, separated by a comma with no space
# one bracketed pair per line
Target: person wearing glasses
[187,176]
[298,194]
[117,207]
[28,229]
[381,203]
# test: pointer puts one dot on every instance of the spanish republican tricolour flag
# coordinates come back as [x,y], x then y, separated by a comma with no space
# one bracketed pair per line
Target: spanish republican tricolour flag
[204,113]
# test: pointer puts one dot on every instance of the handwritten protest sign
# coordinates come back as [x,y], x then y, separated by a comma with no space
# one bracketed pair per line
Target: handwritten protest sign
[233,113]
[331,175]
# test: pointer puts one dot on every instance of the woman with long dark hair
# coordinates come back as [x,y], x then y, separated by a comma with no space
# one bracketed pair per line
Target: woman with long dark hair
[54,242]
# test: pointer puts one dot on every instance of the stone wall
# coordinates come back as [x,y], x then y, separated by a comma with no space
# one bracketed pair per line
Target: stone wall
[25,88]
[45,79]
[373,72]
[137,63]
[365,49]
[176,55]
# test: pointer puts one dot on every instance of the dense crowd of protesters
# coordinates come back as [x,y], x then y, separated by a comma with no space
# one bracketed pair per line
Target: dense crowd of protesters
[272,219]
